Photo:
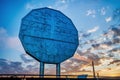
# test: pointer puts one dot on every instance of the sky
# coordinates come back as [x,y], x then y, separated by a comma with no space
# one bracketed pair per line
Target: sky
[98,25]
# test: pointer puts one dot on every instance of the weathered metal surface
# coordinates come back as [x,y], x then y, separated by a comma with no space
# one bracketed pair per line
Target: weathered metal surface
[48,35]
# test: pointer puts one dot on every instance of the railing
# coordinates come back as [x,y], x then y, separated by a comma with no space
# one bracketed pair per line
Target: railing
[25,76]
[36,76]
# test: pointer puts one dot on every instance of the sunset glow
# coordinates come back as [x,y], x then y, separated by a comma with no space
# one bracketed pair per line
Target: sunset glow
[98,24]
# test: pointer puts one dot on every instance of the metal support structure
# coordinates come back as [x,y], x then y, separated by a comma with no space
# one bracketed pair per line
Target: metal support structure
[58,70]
[97,76]
[41,69]
[93,69]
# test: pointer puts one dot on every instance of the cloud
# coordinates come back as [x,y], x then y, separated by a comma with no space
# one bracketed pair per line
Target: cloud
[32,5]
[26,58]
[114,53]
[93,30]
[14,43]
[3,31]
[108,19]
[63,1]
[84,35]
[66,1]
[78,61]
[29,6]
[91,12]
[108,43]
[103,11]
[87,56]
[116,31]
[49,6]
[95,45]
[88,33]
[32,69]
[16,67]
[116,14]
[112,37]
[102,48]
[115,49]
[61,5]
[115,61]
[32,66]
[116,40]
[11,67]
[72,65]
[3,38]
[9,42]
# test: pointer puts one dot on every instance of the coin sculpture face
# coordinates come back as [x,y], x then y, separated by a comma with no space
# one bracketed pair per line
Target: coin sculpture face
[48,35]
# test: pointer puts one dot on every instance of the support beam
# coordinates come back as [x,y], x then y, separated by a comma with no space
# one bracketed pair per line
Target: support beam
[41,69]
[93,69]
[58,70]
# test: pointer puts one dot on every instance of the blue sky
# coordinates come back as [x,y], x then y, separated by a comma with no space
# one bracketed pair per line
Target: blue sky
[92,18]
